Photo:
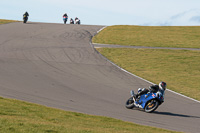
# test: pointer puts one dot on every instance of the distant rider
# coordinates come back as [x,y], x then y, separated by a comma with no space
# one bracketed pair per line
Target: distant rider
[71,21]
[26,14]
[65,17]
[154,88]
[25,17]
[77,21]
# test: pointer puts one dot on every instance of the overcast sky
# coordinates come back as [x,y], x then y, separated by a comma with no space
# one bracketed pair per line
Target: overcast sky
[106,12]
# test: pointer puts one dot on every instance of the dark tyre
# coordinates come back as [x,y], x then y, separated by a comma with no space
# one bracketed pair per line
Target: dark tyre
[151,106]
[130,103]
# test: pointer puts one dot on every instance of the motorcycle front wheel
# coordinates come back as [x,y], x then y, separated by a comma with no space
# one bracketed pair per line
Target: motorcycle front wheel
[25,20]
[130,103]
[151,106]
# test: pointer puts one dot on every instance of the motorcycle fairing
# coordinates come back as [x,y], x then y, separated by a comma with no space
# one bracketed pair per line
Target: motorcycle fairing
[145,98]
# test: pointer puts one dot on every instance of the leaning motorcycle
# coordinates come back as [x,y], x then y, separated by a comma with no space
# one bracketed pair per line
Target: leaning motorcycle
[149,102]
[25,18]
[77,21]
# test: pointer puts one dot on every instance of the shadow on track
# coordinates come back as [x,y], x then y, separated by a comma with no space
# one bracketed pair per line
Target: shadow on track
[174,114]
[30,23]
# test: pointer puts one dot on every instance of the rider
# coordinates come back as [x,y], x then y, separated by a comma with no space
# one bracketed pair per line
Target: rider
[77,20]
[154,88]
[71,21]
[65,17]
[25,17]
[26,14]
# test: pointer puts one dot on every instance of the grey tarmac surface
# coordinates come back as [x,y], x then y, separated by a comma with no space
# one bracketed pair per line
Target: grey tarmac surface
[55,65]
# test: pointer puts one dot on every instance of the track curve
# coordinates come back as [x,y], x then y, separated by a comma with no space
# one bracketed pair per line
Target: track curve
[55,65]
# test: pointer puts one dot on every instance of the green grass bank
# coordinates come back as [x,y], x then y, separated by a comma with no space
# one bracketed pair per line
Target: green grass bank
[179,68]
[152,36]
[4,21]
[22,117]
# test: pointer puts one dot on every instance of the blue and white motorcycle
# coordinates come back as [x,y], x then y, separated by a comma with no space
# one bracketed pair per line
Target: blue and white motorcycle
[65,18]
[149,102]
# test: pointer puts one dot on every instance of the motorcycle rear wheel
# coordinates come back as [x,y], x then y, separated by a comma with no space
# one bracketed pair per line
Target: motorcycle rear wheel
[25,20]
[130,103]
[151,106]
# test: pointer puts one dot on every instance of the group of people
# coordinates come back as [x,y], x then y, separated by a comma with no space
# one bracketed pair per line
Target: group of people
[65,18]
[75,21]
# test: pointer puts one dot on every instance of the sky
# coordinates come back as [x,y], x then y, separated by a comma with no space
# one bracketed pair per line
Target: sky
[106,12]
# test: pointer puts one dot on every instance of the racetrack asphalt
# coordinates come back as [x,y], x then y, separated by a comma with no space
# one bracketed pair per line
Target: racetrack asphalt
[56,65]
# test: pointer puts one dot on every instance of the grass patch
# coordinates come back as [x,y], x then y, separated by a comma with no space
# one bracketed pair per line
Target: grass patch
[3,21]
[23,117]
[153,36]
[179,68]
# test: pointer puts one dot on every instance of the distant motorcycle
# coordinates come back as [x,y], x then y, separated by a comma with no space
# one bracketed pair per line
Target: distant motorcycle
[77,21]
[149,102]
[65,19]
[25,18]
[71,21]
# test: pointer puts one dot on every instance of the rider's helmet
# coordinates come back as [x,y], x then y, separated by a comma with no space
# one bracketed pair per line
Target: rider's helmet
[162,85]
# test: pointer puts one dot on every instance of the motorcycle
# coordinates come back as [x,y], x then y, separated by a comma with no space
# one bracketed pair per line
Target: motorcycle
[65,19]
[71,21]
[25,18]
[149,102]
[77,21]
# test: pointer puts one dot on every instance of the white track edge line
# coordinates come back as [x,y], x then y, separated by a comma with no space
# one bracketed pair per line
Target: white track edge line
[138,76]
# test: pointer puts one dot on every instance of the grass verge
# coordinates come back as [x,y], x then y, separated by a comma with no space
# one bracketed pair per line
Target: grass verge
[179,68]
[153,36]
[3,21]
[23,117]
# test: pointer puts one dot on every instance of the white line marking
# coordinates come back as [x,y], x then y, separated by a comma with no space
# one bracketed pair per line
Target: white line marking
[101,29]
